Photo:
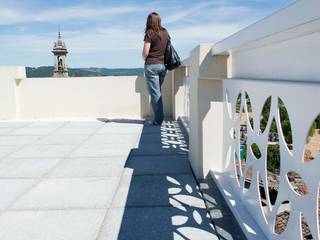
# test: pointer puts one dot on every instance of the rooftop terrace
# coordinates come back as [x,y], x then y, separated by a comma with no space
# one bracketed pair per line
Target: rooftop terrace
[87,180]
[249,113]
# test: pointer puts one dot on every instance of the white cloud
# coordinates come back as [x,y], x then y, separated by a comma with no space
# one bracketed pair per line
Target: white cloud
[83,12]
[92,41]
[26,42]
[206,12]
[106,40]
[180,14]
[208,33]
[115,31]
[109,39]
[9,16]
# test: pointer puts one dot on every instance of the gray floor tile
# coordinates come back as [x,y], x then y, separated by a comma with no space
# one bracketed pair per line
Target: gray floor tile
[51,225]
[84,124]
[101,150]
[79,176]
[150,138]
[69,139]
[11,189]
[5,150]
[167,164]
[13,124]
[75,193]
[46,124]
[158,149]
[26,167]
[157,223]
[90,167]
[17,140]
[157,190]
[75,131]
[130,139]
[4,131]
[118,128]
[29,131]
[43,151]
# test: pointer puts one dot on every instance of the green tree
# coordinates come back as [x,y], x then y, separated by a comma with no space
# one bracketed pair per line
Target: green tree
[273,158]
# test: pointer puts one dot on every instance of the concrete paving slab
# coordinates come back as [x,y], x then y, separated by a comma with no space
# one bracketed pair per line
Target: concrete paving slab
[6,150]
[89,167]
[84,124]
[69,193]
[120,128]
[157,223]
[166,164]
[26,167]
[4,131]
[75,172]
[154,149]
[164,142]
[28,131]
[43,151]
[14,124]
[10,189]
[157,190]
[61,139]
[75,131]
[149,138]
[46,124]
[130,139]
[101,150]
[51,225]
[17,140]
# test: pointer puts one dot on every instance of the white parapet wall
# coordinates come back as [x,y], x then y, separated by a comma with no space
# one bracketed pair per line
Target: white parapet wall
[74,97]
[283,46]
[205,75]
[115,97]
[9,77]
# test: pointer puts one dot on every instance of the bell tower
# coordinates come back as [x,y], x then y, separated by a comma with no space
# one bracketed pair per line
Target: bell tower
[60,58]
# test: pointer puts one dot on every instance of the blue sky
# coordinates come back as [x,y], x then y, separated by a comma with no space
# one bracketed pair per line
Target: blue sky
[110,33]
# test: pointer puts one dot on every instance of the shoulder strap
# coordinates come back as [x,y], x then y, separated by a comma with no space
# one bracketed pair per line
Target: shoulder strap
[169,38]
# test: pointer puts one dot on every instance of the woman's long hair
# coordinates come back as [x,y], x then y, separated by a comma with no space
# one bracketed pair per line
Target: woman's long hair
[153,24]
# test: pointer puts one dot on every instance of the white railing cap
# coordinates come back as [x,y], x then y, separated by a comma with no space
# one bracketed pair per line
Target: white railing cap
[298,19]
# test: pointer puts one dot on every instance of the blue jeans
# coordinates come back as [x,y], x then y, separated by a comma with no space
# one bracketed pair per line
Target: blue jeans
[154,75]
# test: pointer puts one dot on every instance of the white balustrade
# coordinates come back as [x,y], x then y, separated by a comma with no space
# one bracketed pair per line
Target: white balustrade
[250,178]
[252,99]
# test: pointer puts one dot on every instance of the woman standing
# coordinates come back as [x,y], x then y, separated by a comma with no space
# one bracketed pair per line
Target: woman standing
[155,43]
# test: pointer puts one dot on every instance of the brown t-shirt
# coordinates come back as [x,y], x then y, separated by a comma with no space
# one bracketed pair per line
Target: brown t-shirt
[158,46]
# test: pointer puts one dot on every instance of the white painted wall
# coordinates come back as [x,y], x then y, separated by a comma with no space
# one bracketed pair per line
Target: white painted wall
[178,91]
[282,25]
[9,78]
[110,97]
[294,59]
[118,97]
[206,108]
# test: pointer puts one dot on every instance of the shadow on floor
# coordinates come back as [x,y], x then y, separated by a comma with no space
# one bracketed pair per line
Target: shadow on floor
[225,223]
[120,120]
[158,197]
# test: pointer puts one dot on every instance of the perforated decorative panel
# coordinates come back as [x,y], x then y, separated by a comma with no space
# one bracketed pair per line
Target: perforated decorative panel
[272,149]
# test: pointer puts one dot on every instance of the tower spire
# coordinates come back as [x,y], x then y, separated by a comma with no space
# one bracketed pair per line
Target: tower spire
[59,33]
[60,57]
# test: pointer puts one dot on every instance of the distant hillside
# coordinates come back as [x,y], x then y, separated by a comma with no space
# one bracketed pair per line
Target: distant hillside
[46,71]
